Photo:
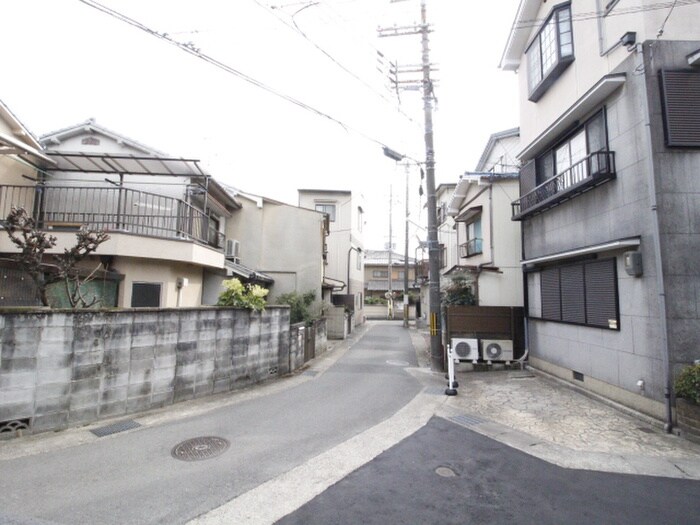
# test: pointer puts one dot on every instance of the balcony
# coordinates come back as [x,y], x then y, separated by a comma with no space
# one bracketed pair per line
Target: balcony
[594,170]
[471,247]
[116,209]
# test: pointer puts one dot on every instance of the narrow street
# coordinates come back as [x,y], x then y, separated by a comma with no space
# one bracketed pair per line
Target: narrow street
[364,435]
[131,477]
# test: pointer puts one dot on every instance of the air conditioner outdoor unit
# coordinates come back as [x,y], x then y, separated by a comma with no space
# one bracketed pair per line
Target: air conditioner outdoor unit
[465,349]
[233,249]
[497,349]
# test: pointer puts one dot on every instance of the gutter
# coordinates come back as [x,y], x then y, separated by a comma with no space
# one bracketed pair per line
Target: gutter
[647,67]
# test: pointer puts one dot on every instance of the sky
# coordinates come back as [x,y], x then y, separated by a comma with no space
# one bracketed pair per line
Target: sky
[314,111]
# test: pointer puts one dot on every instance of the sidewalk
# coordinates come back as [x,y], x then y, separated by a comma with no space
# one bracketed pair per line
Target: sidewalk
[544,417]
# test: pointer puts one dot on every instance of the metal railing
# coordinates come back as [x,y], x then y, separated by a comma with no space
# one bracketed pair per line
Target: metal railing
[598,166]
[112,209]
[471,247]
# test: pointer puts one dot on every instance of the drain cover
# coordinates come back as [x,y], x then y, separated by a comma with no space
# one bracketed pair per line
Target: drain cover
[199,448]
[445,472]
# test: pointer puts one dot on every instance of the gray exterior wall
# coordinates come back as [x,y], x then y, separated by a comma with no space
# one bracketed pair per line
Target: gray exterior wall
[619,209]
[60,369]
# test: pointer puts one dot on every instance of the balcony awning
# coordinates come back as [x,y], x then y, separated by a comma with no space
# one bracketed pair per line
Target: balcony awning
[249,275]
[619,244]
[469,214]
[13,146]
[110,164]
[333,284]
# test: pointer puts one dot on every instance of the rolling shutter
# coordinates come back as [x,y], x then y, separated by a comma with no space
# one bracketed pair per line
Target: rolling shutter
[573,308]
[551,297]
[601,294]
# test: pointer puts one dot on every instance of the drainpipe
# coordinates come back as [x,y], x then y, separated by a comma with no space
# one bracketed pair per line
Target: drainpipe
[647,66]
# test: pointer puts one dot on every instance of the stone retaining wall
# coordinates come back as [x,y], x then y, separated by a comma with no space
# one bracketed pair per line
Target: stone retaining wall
[64,368]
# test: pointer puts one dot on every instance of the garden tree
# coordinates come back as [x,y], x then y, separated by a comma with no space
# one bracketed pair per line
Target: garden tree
[298,305]
[33,243]
[243,295]
[459,293]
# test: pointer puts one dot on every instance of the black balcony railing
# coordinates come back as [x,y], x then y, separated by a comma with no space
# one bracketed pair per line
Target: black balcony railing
[595,169]
[113,210]
[471,247]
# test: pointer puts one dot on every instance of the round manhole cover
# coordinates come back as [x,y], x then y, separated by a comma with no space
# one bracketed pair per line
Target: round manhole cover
[397,363]
[199,448]
[445,472]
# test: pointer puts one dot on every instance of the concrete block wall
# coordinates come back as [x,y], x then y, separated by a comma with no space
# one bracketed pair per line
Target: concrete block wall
[61,368]
[337,327]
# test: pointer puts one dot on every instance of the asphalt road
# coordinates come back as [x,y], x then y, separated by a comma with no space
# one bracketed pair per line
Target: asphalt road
[132,478]
[484,481]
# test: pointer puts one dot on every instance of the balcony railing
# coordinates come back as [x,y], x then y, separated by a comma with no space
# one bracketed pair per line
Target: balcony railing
[592,171]
[471,247]
[112,209]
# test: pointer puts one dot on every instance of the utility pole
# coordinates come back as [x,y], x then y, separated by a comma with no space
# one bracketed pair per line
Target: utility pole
[390,297]
[437,360]
[405,258]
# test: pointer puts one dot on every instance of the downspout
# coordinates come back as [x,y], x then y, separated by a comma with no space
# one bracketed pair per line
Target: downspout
[647,67]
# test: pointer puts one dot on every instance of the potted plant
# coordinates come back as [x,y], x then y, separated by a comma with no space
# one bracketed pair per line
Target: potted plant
[687,389]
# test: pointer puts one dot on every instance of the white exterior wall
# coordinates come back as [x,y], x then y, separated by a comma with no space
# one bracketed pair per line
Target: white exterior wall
[590,35]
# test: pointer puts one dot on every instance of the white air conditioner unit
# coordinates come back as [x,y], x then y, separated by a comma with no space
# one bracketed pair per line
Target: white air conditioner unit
[497,349]
[465,349]
[233,249]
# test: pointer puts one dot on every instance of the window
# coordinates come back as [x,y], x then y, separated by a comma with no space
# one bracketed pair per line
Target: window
[680,100]
[551,51]
[473,245]
[380,274]
[328,209]
[567,159]
[145,295]
[581,293]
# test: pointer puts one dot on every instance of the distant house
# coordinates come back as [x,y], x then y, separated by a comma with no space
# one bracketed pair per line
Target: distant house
[344,274]
[378,267]
[166,217]
[276,245]
[609,193]
[489,242]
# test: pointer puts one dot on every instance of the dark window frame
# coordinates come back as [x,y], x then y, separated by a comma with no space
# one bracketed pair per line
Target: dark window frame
[567,308]
[141,298]
[550,152]
[547,78]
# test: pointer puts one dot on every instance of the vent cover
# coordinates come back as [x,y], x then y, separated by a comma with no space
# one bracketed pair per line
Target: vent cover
[680,96]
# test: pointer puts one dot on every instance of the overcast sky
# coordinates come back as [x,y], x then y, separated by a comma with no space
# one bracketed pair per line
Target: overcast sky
[65,62]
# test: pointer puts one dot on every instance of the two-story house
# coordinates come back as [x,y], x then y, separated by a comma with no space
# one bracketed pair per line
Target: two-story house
[489,242]
[165,215]
[609,192]
[276,245]
[379,266]
[344,273]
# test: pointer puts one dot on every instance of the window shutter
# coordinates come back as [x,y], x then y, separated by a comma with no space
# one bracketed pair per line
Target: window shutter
[551,294]
[573,308]
[601,294]
[680,95]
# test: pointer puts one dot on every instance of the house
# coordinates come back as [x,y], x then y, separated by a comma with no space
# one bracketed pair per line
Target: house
[165,215]
[273,244]
[379,264]
[344,274]
[609,193]
[489,242]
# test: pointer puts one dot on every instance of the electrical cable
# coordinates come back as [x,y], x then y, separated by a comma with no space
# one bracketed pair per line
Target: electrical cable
[196,52]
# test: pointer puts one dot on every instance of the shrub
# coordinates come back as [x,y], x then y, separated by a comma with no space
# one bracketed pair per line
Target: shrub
[688,384]
[243,295]
[459,293]
[299,305]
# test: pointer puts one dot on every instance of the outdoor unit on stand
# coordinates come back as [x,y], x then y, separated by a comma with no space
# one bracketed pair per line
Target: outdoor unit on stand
[466,349]
[497,350]
[233,250]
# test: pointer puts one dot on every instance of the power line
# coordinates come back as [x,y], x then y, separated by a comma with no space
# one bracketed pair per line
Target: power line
[295,27]
[592,15]
[192,50]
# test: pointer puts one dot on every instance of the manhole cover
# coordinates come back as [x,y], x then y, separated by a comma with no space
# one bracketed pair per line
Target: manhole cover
[199,448]
[397,363]
[445,472]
